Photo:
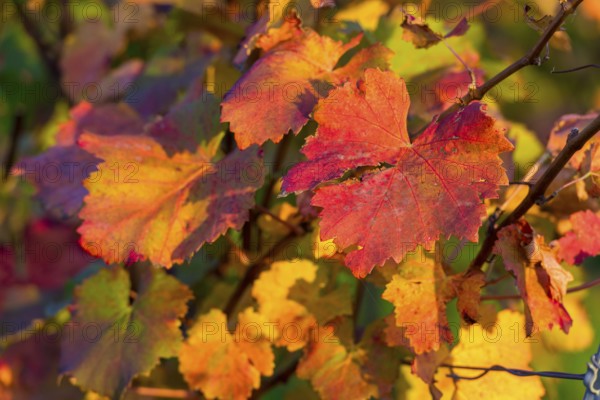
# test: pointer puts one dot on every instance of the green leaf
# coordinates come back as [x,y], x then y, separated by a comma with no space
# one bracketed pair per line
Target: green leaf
[117,334]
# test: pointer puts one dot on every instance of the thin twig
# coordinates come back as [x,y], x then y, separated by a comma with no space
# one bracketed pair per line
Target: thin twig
[512,371]
[537,191]
[529,184]
[574,289]
[500,368]
[566,71]
[497,280]
[531,58]
[563,187]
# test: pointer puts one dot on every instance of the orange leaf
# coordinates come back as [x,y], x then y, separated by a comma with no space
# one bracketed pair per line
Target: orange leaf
[541,280]
[220,364]
[145,204]
[281,89]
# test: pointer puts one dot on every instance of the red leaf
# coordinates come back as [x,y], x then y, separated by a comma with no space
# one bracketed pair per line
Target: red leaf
[281,89]
[583,240]
[541,280]
[435,184]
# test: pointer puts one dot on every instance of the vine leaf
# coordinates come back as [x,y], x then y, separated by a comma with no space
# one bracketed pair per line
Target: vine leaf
[416,31]
[482,352]
[271,291]
[212,356]
[281,89]
[167,206]
[581,335]
[129,337]
[541,280]
[498,338]
[334,371]
[434,185]
[420,291]
[58,173]
[583,240]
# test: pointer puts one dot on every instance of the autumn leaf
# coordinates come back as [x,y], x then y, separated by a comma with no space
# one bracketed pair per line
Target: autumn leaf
[560,39]
[279,22]
[333,371]
[86,56]
[429,187]
[419,293]
[581,335]
[469,294]
[223,364]
[541,280]
[271,290]
[422,36]
[281,89]
[583,240]
[493,344]
[129,336]
[499,340]
[58,173]
[324,299]
[444,88]
[591,10]
[381,363]
[168,206]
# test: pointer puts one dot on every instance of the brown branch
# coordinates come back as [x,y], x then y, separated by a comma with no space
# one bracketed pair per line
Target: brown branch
[574,289]
[566,71]
[536,193]
[500,368]
[531,58]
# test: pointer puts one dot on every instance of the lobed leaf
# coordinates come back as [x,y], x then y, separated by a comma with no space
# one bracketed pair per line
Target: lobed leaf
[113,338]
[281,89]
[431,186]
[167,206]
